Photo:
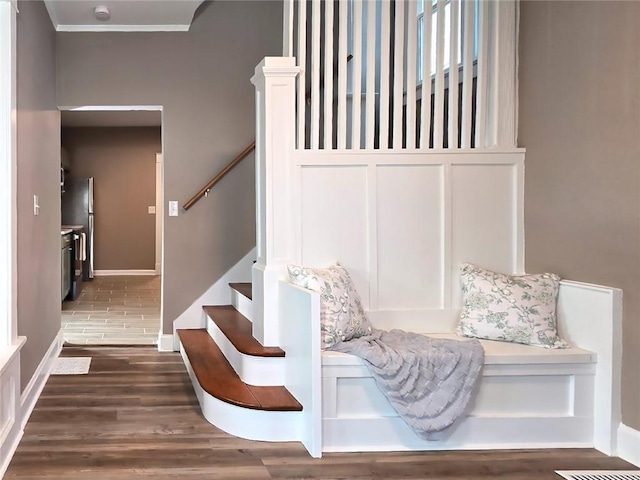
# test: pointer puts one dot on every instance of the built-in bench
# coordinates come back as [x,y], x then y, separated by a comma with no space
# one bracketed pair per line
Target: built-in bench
[527,397]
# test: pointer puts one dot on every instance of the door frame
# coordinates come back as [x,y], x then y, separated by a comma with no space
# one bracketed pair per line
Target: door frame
[159,251]
[159,212]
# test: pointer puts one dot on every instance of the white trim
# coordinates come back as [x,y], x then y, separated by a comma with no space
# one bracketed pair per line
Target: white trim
[122,28]
[10,425]
[109,273]
[111,108]
[629,444]
[8,161]
[165,342]
[34,388]
[159,213]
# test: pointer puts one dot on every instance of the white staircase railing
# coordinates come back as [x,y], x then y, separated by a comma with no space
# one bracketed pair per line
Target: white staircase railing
[404,74]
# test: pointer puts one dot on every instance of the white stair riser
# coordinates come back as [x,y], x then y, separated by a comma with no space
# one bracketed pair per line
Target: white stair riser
[246,423]
[242,304]
[264,371]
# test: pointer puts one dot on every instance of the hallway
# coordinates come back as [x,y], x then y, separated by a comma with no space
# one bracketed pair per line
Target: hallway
[114,310]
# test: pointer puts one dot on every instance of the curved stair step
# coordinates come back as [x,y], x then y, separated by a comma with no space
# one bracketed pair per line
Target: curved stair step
[238,329]
[217,377]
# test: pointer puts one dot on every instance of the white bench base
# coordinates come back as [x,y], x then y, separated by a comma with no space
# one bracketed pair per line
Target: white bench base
[528,397]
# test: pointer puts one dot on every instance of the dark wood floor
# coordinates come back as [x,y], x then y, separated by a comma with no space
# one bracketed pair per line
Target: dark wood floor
[135,416]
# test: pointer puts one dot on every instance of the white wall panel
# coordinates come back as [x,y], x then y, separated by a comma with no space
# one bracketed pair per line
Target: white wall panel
[334,220]
[484,219]
[409,236]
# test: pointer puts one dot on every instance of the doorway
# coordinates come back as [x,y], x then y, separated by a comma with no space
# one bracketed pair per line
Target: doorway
[119,148]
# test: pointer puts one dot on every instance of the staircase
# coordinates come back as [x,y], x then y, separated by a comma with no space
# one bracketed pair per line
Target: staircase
[239,382]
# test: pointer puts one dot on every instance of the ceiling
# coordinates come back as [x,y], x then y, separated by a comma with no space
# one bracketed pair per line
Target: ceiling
[125,15]
[131,118]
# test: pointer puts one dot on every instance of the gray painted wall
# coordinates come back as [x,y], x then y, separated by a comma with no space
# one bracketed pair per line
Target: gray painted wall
[580,124]
[123,164]
[201,78]
[38,123]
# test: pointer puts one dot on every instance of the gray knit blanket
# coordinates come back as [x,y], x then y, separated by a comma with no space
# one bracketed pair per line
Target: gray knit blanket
[429,381]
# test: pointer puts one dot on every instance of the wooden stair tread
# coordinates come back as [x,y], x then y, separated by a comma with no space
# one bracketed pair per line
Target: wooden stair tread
[238,330]
[218,378]
[245,289]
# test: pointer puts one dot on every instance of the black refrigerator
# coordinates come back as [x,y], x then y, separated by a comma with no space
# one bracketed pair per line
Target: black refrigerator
[77,209]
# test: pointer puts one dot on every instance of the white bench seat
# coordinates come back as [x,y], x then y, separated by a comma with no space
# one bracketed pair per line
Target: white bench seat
[495,353]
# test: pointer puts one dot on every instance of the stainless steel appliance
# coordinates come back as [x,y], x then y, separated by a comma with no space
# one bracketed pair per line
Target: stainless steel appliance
[77,209]
[66,264]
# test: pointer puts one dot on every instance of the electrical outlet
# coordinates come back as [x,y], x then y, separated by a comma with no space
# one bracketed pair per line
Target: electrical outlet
[36,205]
[151,209]
[173,208]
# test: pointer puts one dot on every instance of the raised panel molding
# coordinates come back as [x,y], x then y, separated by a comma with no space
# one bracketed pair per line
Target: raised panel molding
[410,236]
[335,200]
[402,225]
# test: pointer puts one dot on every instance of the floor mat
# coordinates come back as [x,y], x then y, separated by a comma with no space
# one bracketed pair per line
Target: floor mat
[71,366]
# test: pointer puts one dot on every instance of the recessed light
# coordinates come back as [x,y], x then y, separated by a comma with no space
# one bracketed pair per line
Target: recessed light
[102,13]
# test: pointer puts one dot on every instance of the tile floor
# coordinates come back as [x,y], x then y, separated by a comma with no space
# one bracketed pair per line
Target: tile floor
[114,310]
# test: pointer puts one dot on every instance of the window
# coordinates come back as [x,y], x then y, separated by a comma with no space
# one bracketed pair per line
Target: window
[432,7]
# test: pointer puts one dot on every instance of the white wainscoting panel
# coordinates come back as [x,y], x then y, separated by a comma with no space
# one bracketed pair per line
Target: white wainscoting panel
[484,220]
[403,224]
[10,412]
[410,236]
[335,222]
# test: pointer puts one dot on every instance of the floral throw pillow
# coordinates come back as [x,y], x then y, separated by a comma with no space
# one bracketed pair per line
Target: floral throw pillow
[519,309]
[342,317]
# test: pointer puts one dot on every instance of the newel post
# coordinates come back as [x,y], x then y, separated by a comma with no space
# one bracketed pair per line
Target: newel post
[275,83]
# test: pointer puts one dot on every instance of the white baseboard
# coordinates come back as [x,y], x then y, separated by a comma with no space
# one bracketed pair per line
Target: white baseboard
[110,273]
[34,388]
[218,294]
[158,268]
[629,444]
[165,342]
[10,424]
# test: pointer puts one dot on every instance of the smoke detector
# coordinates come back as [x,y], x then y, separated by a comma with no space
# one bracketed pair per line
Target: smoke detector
[102,13]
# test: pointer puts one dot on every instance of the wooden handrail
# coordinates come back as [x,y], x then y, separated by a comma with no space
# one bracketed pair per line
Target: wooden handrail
[205,190]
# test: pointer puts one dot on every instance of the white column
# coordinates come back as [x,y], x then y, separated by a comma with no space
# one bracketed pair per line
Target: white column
[8,162]
[502,90]
[275,83]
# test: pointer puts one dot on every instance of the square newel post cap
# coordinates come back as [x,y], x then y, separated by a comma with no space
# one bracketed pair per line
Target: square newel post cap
[276,66]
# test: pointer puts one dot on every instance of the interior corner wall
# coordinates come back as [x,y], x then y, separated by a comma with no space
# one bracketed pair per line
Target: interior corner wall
[122,162]
[202,80]
[38,173]
[580,124]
